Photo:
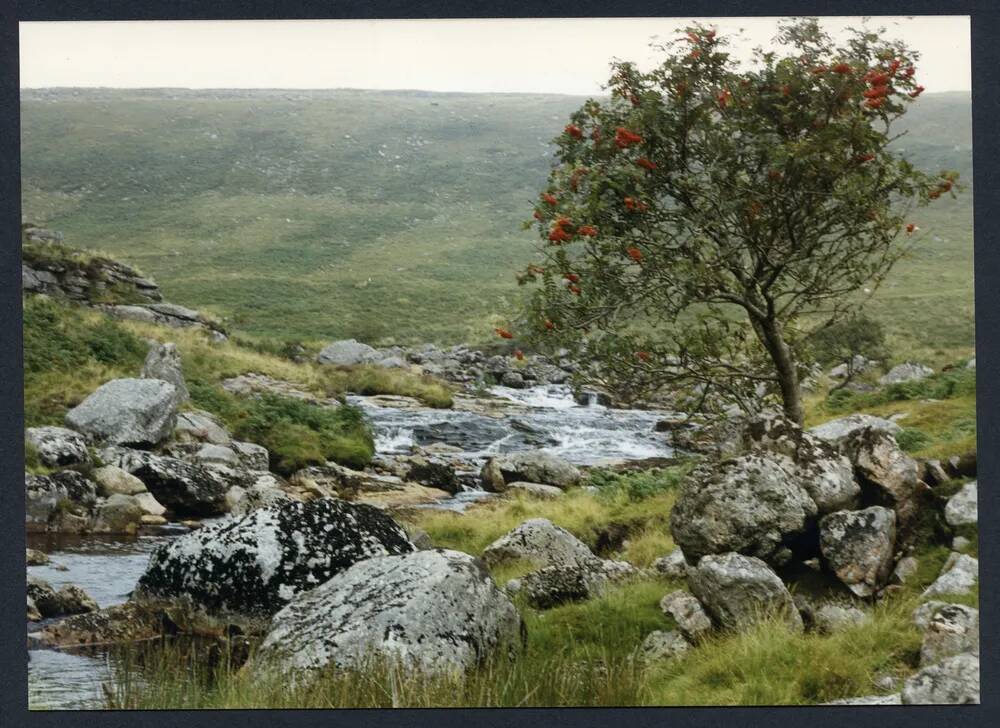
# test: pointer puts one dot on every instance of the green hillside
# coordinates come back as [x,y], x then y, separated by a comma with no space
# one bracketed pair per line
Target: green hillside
[378,215]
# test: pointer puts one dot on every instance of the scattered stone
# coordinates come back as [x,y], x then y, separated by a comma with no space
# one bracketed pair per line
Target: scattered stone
[348,352]
[33,614]
[959,575]
[736,590]
[830,618]
[934,473]
[437,612]
[859,546]
[905,569]
[954,680]
[688,614]
[432,472]
[201,426]
[838,432]
[960,543]
[69,599]
[533,466]
[555,585]
[163,362]
[132,412]
[672,566]
[748,504]
[535,490]
[33,557]
[659,646]
[950,630]
[963,508]
[906,372]
[541,542]
[859,365]
[240,571]
[111,480]
[58,447]
[118,514]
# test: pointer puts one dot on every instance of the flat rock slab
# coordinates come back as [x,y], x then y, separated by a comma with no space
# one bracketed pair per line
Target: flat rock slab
[131,412]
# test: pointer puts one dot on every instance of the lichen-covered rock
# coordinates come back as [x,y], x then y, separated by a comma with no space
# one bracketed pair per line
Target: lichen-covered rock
[858,546]
[265,491]
[163,362]
[348,352]
[838,432]
[210,454]
[432,472]
[660,645]
[127,622]
[949,629]
[959,575]
[532,466]
[737,590]
[749,504]
[963,508]
[436,611]
[541,542]
[200,426]
[906,372]
[830,618]
[132,412]
[149,505]
[242,570]
[555,585]
[50,499]
[184,488]
[252,455]
[118,514]
[954,680]
[688,614]
[535,490]
[672,566]
[58,447]
[69,599]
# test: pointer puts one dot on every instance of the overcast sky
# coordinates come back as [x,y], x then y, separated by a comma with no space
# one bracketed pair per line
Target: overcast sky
[528,55]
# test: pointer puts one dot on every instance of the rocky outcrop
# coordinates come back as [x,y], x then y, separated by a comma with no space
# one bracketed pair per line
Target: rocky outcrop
[533,466]
[436,612]
[540,542]
[132,412]
[954,680]
[738,590]
[241,571]
[749,504]
[58,447]
[348,352]
[163,362]
[858,546]
[167,314]
[186,489]
[906,372]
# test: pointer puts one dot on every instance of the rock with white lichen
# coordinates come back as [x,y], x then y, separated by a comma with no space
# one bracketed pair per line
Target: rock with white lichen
[240,571]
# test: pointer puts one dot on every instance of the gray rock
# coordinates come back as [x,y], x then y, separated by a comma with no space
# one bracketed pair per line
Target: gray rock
[748,504]
[688,614]
[861,364]
[265,491]
[963,507]
[218,455]
[135,412]
[736,590]
[432,472]
[69,599]
[149,505]
[58,447]
[858,546]
[241,571]
[532,466]
[50,498]
[959,575]
[905,569]
[163,362]
[869,700]
[951,629]
[554,585]
[118,514]
[659,646]
[348,352]
[837,432]
[33,557]
[111,480]
[184,488]
[392,362]
[33,614]
[934,473]
[437,612]
[252,455]
[830,618]
[672,566]
[540,542]
[960,543]
[906,372]
[535,490]
[200,426]
[971,364]
[954,680]
[514,380]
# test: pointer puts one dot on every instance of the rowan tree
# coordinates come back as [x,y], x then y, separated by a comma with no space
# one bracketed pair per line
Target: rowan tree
[703,221]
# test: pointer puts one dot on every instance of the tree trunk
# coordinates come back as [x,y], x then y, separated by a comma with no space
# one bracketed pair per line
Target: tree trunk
[770,335]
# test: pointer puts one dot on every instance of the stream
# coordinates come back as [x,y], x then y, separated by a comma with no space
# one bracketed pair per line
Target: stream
[517,419]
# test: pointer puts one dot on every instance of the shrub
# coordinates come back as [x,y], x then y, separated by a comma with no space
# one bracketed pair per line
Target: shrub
[637,485]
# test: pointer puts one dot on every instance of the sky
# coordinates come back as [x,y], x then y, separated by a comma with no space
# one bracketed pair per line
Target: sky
[499,55]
